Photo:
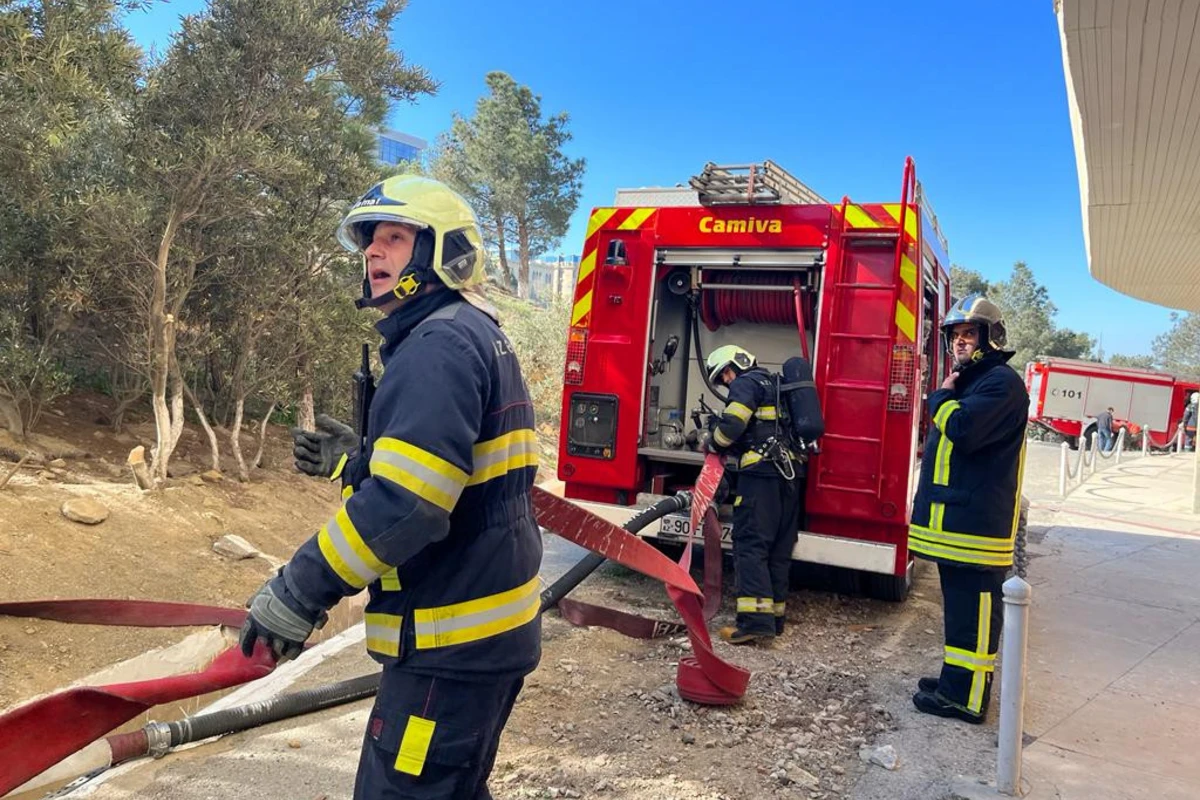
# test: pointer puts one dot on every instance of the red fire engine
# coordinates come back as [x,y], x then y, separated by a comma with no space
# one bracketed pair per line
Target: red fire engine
[749,255]
[1065,396]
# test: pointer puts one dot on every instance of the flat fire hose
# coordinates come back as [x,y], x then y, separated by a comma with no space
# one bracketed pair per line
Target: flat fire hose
[79,716]
[703,677]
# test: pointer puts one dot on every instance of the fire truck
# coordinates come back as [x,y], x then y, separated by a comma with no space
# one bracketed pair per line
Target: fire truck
[1065,395]
[747,254]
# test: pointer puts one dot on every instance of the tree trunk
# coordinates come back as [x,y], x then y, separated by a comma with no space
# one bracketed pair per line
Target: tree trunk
[11,415]
[306,417]
[235,432]
[123,405]
[502,248]
[213,444]
[523,255]
[262,435]
[162,350]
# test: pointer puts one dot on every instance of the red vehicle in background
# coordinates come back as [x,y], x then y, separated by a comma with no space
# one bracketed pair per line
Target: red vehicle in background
[1065,395]
[751,256]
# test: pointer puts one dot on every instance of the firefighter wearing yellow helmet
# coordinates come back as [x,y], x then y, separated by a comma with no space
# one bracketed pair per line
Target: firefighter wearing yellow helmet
[767,500]
[437,521]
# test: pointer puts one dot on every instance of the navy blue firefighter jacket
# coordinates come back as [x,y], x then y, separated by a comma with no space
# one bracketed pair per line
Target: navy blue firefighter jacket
[438,520]
[968,495]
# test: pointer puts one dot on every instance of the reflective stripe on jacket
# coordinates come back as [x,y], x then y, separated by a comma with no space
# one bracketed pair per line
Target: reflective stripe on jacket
[439,525]
[967,503]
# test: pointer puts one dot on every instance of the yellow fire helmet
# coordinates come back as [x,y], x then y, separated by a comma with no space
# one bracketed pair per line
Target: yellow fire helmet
[448,242]
[729,355]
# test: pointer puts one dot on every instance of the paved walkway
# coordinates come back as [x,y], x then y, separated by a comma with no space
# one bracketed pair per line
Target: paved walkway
[1114,686]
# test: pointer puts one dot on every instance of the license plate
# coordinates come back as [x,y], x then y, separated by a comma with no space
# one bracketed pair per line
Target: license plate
[678,527]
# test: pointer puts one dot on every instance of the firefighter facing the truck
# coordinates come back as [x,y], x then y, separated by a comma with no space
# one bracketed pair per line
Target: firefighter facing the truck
[767,495]
[437,521]
[967,504]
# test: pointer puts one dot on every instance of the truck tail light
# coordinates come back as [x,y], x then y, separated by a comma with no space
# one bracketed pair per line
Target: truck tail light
[576,354]
[903,375]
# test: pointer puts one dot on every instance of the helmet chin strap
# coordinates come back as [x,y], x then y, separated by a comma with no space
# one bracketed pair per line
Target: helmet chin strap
[410,280]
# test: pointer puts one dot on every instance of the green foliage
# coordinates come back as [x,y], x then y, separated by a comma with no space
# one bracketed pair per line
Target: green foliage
[31,376]
[1178,350]
[509,164]
[539,338]
[1144,362]
[1029,320]
[965,281]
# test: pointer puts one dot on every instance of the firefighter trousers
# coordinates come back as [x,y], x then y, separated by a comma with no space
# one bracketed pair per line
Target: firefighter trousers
[766,516]
[972,602]
[432,738]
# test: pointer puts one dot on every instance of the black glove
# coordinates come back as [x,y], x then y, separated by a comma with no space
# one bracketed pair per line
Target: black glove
[281,621]
[318,453]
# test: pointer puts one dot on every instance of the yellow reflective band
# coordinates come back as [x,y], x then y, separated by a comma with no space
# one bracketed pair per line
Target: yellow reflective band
[635,220]
[943,414]
[720,438]
[429,477]
[495,457]
[857,218]
[906,323]
[935,534]
[749,459]
[346,552]
[347,491]
[967,660]
[964,556]
[383,633]
[910,218]
[937,514]
[598,218]
[737,501]
[390,581]
[755,605]
[982,642]
[941,461]
[767,412]
[908,271]
[586,265]
[477,619]
[780,609]
[415,745]
[582,307]
[341,465]
[1016,520]
[739,410]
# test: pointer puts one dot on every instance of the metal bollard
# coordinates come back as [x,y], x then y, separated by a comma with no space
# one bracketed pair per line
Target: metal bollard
[1017,596]
[1063,468]
[1145,440]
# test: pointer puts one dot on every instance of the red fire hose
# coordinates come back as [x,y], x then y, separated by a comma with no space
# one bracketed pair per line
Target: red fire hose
[39,734]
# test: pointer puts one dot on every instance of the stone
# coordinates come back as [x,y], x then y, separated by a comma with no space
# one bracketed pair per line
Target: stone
[803,778]
[884,756]
[57,463]
[85,510]
[212,476]
[234,547]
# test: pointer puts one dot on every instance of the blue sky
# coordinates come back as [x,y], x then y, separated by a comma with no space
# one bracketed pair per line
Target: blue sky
[837,93]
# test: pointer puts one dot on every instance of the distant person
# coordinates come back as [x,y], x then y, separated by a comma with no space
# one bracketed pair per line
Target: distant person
[967,507]
[1189,422]
[1104,429]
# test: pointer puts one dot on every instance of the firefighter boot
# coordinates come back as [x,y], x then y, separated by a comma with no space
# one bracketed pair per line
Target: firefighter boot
[934,703]
[780,624]
[928,684]
[735,635]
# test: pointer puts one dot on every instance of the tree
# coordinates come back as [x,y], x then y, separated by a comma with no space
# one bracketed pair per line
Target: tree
[1029,320]
[214,132]
[509,165]
[965,281]
[1178,350]
[67,71]
[1144,362]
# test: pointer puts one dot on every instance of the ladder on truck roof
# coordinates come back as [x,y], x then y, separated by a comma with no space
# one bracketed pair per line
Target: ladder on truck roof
[751,184]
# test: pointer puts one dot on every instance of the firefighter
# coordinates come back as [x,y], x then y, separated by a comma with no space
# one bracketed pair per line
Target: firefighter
[967,504]
[767,497]
[438,522]
[1189,422]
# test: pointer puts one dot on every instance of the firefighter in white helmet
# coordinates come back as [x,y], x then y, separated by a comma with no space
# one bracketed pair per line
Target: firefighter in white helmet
[767,495]
[438,522]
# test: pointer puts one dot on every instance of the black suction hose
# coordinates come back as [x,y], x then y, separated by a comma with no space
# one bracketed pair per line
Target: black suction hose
[695,315]
[587,565]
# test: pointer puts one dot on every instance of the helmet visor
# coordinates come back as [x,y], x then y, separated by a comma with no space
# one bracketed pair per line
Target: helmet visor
[354,232]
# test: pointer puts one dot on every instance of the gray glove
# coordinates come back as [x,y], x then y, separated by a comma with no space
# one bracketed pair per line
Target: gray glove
[318,453]
[279,620]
